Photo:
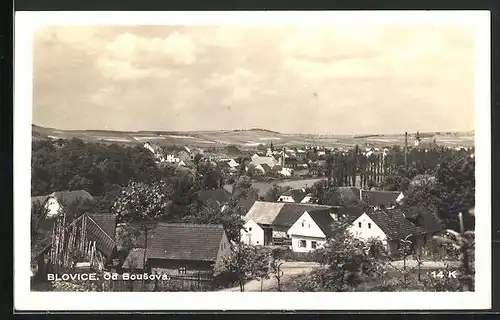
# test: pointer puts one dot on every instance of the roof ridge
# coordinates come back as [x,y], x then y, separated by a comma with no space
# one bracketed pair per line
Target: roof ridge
[204,225]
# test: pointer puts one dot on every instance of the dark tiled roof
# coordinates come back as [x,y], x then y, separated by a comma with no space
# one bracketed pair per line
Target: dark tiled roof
[296,194]
[219,195]
[393,224]
[425,221]
[324,221]
[266,167]
[246,204]
[380,198]
[350,213]
[135,259]
[290,212]
[185,241]
[107,221]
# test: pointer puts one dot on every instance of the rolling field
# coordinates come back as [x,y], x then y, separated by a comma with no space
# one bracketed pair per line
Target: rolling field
[249,139]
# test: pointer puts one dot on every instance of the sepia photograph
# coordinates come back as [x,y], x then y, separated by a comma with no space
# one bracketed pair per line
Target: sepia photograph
[262,152]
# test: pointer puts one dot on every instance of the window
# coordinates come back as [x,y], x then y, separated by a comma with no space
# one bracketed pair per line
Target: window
[308,225]
[303,222]
[182,270]
[250,229]
[313,244]
[359,224]
[369,225]
[302,244]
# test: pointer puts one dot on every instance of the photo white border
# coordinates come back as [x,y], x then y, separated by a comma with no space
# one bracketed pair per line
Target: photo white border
[25,300]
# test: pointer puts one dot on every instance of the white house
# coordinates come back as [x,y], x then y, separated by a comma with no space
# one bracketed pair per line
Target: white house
[274,220]
[391,227]
[55,201]
[308,199]
[286,172]
[149,147]
[252,233]
[293,195]
[171,158]
[232,163]
[270,161]
[311,230]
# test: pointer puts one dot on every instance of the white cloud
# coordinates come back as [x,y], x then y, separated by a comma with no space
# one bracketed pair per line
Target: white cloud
[178,47]
[131,57]
[123,70]
[241,83]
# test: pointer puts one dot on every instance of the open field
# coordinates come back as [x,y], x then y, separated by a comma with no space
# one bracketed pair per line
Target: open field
[251,138]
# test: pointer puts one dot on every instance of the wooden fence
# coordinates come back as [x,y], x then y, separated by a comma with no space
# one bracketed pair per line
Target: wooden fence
[173,283]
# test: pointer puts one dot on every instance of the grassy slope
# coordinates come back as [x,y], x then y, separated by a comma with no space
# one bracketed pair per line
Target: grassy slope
[249,138]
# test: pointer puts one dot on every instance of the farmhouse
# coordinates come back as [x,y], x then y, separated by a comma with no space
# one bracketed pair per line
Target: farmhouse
[393,226]
[186,248]
[258,160]
[267,223]
[55,201]
[311,230]
[293,195]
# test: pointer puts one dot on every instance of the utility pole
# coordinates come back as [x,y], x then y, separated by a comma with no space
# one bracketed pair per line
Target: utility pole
[406,150]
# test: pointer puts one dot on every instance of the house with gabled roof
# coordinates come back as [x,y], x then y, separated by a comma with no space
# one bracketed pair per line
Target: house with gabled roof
[394,225]
[267,223]
[293,195]
[55,201]
[179,248]
[257,160]
[311,230]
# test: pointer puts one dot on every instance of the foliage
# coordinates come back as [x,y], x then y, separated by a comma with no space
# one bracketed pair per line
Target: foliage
[456,180]
[243,263]
[38,213]
[346,263]
[276,262]
[464,242]
[243,189]
[229,218]
[141,202]
[74,286]
[394,182]
[275,192]
[75,165]
[211,176]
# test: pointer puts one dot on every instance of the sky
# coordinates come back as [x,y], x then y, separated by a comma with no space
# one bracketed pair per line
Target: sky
[292,79]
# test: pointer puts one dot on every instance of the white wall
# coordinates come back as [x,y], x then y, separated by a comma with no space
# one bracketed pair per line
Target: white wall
[305,226]
[306,199]
[296,239]
[400,197]
[305,229]
[53,207]
[367,230]
[285,199]
[252,233]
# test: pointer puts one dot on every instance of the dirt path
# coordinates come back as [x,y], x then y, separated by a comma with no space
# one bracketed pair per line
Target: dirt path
[290,270]
[426,264]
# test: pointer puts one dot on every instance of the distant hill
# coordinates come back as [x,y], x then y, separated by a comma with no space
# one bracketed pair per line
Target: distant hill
[236,141]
